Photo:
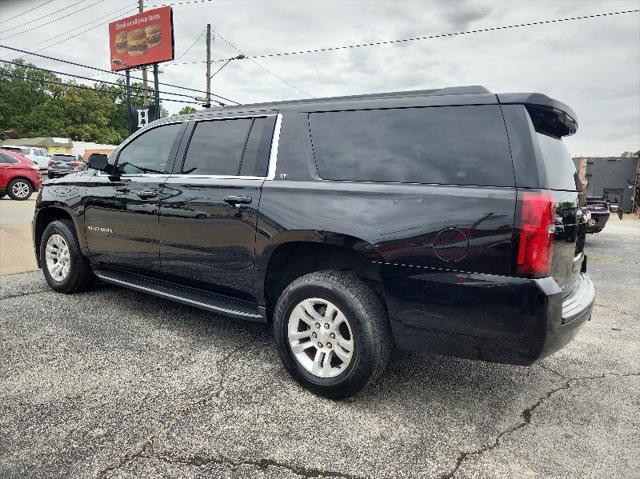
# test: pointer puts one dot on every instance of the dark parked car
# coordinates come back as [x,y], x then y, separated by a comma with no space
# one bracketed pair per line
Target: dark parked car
[440,220]
[61,165]
[599,209]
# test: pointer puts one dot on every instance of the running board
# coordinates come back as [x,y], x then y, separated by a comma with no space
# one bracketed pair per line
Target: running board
[214,302]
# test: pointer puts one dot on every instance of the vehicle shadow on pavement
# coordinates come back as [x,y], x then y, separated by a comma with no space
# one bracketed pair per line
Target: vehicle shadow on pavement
[408,374]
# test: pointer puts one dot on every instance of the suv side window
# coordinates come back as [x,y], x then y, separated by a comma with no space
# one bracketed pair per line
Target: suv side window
[150,152]
[217,147]
[460,145]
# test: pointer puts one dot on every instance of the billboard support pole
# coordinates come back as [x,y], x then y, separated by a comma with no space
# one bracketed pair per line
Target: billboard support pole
[128,84]
[156,87]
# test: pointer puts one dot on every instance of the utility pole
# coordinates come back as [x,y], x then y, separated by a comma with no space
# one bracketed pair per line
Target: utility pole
[144,69]
[208,99]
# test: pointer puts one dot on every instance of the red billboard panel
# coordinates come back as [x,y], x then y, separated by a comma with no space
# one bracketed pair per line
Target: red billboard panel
[141,39]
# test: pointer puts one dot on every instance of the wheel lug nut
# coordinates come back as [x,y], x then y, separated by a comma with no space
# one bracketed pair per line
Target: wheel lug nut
[329,345]
[326,325]
[317,325]
[320,345]
[314,335]
[333,336]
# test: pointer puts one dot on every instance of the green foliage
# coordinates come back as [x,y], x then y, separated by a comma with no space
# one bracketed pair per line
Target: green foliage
[185,110]
[35,108]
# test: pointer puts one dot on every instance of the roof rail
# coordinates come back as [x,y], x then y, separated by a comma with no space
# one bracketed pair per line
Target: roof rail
[456,90]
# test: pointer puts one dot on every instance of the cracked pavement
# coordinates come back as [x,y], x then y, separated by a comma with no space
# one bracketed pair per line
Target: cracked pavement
[115,384]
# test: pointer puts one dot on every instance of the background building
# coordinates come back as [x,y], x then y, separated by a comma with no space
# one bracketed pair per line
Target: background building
[51,144]
[611,177]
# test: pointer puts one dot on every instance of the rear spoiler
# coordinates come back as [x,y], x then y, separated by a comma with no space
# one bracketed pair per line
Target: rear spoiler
[549,116]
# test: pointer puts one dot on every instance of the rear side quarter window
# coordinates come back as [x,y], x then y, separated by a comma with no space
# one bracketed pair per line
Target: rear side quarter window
[464,145]
[560,171]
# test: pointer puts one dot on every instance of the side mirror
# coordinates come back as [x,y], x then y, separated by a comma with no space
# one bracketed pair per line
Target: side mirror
[98,161]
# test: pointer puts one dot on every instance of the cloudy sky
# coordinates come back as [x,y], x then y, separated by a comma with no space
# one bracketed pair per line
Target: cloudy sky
[592,65]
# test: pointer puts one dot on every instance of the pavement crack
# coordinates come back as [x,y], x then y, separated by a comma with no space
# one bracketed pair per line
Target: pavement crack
[549,368]
[11,296]
[261,464]
[526,415]
[177,414]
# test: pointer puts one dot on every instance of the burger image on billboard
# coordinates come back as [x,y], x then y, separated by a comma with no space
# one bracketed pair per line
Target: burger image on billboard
[141,39]
[121,42]
[136,42]
[154,35]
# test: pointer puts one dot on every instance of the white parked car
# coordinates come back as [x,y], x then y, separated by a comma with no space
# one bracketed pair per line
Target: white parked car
[40,156]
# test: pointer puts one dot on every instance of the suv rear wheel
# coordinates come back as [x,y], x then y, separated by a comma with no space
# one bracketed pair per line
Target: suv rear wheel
[19,189]
[65,268]
[332,333]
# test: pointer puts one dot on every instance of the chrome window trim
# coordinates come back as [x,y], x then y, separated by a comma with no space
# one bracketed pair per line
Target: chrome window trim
[273,156]
[275,143]
[216,177]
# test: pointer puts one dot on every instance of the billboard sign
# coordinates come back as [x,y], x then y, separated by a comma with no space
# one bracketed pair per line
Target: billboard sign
[141,39]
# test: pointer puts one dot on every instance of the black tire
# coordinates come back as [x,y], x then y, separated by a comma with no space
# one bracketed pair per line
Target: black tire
[80,276]
[2,195]
[25,185]
[367,319]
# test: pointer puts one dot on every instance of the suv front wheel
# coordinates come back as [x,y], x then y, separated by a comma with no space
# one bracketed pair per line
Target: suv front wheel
[65,268]
[332,333]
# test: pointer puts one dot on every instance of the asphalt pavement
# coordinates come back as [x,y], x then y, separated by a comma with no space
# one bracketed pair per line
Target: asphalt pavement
[113,383]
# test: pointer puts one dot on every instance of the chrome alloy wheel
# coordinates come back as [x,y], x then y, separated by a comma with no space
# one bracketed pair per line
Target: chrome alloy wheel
[320,337]
[58,257]
[20,189]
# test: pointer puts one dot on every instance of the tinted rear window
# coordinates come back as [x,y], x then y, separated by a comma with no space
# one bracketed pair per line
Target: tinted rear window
[464,145]
[561,172]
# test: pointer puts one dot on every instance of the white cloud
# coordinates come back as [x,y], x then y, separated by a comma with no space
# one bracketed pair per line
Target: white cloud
[592,65]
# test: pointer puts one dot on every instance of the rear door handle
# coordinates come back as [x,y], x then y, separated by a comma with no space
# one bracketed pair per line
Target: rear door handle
[145,195]
[238,200]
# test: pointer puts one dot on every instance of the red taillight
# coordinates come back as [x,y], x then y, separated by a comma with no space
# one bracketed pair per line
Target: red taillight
[50,164]
[75,164]
[535,248]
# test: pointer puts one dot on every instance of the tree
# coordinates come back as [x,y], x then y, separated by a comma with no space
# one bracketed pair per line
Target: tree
[38,103]
[185,110]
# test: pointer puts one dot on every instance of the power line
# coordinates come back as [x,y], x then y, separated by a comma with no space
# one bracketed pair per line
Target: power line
[428,37]
[261,66]
[27,11]
[121,11]
[175,4]
[47,57]
[80,77]
[65,16]
[189,49]
[82,87]
[41,17]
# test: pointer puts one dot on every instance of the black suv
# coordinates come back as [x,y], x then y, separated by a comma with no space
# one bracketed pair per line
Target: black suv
[445,221]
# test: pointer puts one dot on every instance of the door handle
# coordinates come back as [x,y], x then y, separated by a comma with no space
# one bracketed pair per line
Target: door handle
[145,195]
[237,200]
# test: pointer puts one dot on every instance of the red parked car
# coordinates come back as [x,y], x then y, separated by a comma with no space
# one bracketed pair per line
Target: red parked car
[19,176]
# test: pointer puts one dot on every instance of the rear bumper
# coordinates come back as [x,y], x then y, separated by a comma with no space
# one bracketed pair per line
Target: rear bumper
[488,317]
[599,222]
[574,310]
